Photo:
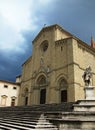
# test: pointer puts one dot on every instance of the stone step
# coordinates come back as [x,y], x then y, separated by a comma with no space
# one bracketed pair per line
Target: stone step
[14,127]
[18,124]
[24,119]
[20,119]
[34,122]
[2,127]
[31,117]
[8,126]
[42,123]
[41,108]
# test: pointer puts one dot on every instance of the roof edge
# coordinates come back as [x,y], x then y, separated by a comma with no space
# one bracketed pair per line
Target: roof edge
[27,60]
[6,81]
[49,27]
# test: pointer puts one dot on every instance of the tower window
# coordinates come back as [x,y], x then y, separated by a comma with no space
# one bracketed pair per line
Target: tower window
[44,45]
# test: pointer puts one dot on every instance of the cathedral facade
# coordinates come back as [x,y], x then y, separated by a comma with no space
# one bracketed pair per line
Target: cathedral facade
[53,74]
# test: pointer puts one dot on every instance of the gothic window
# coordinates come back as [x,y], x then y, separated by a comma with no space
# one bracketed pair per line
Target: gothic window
[44,45]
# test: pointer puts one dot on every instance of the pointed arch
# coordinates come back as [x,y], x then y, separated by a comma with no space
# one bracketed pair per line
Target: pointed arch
[41,80]
[42,83]
[26,91]
[62,87]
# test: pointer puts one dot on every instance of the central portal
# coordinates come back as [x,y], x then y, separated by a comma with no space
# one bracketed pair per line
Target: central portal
[42,96]
[42,83]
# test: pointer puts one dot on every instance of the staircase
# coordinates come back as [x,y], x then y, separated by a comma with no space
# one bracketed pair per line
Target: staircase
[37,117]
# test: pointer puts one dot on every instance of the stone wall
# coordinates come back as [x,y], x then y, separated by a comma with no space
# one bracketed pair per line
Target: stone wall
[66,57]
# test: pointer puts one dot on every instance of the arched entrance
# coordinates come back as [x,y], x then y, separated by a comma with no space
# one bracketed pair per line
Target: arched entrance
[26,97]
[63,90]
[41,82]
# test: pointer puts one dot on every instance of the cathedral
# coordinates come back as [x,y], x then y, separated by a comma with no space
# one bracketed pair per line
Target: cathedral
[53,74]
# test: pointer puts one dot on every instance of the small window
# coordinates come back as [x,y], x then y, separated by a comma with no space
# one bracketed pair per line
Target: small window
[61,48]
[14,87]
[44,45]
[5,86]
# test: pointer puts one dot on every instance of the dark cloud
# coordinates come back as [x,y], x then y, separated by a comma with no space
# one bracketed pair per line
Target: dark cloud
[76,16]
[10,66]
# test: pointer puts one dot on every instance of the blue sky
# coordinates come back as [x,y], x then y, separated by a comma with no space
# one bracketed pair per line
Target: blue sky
[21,20]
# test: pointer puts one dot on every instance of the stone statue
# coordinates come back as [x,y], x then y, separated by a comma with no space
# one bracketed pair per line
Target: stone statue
[41,61]
[87,76]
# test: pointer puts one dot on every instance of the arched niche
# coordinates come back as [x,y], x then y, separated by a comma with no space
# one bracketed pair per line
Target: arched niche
[63,90]
[41,83]
[26,91]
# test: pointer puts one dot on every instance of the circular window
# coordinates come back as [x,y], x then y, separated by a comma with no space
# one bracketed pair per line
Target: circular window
[44,46]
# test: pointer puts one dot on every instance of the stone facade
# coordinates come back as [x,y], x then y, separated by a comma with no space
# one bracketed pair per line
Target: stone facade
[53,74]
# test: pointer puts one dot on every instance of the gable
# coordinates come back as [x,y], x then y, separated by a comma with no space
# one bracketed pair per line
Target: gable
[60,33]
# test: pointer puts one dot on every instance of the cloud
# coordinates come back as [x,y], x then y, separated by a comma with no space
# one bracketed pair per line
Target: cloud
[16,13]
[76,16]
[9,37]
[21,20]
[16,17]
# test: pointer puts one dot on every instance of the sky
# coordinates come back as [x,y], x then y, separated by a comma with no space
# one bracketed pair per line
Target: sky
[21,20]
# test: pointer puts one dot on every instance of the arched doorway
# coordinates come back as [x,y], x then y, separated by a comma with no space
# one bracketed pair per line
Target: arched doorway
[63,90]
[41,82]
[26,97]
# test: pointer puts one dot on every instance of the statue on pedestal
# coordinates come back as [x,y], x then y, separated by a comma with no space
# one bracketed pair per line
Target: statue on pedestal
[87,76]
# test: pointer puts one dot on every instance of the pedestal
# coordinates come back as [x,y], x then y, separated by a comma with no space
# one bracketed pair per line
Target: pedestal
[89,93]
[88,104]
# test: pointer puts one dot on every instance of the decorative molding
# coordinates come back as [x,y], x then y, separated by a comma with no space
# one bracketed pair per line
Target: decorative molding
[37,87]
[56,69]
